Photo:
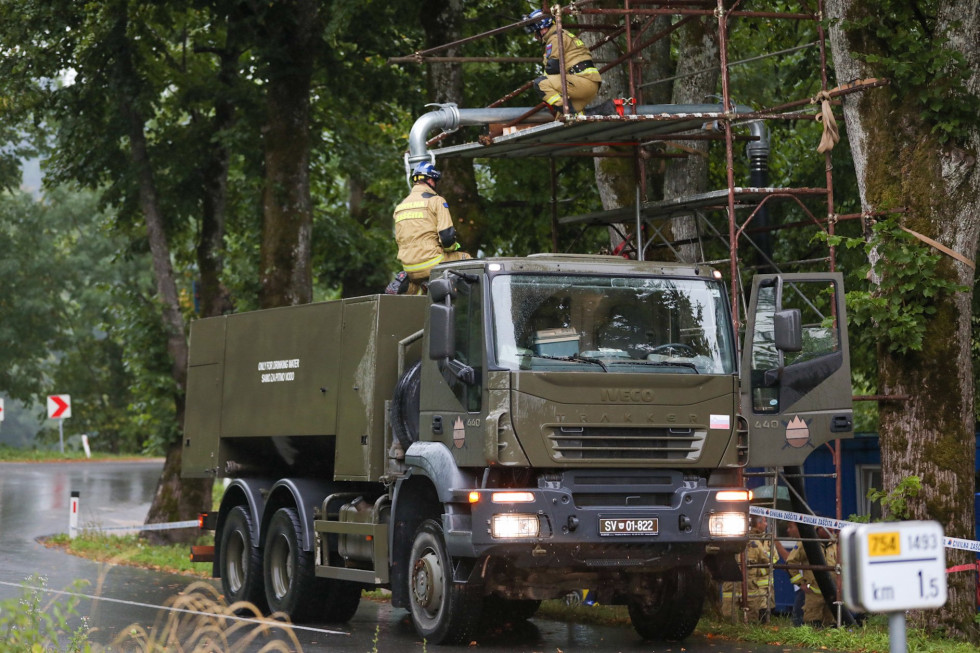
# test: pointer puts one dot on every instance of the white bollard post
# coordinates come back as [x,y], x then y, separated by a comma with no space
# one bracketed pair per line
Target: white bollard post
[73,515]
[88,452]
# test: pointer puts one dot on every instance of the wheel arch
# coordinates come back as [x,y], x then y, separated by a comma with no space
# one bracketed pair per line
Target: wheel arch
[304,495]
[415,500]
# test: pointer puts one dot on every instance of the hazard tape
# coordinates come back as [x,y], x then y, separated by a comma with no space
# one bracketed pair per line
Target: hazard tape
[837,524]
[192,523]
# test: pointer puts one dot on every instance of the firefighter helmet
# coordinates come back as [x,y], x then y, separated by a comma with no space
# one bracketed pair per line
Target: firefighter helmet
[425,170]
[543,21]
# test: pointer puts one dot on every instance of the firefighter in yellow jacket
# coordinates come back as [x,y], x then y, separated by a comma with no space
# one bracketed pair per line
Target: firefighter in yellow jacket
[815,610]
[759,556]
[581,75]
[424,229]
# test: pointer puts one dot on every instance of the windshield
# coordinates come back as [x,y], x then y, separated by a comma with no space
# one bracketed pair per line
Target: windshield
[611,324]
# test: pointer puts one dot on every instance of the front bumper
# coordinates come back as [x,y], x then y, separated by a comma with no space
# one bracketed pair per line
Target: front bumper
[591,519]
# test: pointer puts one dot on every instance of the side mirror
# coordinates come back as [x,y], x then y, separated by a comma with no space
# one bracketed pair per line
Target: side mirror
[441,288]
[442,334]
[788,328]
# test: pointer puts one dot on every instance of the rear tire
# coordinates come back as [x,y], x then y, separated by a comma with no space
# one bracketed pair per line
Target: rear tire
[443,611]
[287,569]
[673,612]
[291,585]
[241,560]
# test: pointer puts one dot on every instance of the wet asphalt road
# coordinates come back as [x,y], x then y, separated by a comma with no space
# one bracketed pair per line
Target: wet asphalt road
[35,500]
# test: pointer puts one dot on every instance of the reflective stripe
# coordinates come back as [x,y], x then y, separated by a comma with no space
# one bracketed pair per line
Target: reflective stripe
[409,215]
[424,264]
[410,205]
[796,578]
[554,100]
[587,71]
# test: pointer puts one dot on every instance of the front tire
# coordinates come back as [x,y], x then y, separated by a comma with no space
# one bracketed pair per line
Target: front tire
[241,561]
[672,613]
[443,611]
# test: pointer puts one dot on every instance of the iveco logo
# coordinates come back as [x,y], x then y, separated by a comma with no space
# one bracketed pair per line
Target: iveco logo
[626,395]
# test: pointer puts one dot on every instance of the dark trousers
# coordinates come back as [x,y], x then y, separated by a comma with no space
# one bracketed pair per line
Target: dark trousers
[799,598]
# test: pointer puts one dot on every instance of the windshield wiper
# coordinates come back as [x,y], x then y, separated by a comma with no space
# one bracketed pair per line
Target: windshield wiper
[660,363]
[589,359]
[575,358]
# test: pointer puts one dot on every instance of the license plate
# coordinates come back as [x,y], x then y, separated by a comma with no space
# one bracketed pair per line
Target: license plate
[628,526]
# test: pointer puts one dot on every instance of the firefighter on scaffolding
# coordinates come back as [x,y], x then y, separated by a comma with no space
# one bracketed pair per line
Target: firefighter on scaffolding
[424,231]
[581,76]
[759,557]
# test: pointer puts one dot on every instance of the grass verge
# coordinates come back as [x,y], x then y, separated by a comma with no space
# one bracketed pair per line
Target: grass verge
[12,455]
[131,550]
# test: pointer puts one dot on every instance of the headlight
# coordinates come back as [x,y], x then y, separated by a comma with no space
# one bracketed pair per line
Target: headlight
[513,525]
[727,524]
[512,497]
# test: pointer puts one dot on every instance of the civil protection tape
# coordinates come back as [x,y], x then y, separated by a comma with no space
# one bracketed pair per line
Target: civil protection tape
[837,524]
[192,523]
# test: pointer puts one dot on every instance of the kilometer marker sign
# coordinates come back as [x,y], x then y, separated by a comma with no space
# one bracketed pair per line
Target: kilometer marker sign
[59,406]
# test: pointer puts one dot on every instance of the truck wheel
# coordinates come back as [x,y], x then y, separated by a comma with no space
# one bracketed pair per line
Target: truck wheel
[674,612]
[443,612]
[288,569]
[499,610]
[291,585]
[241,561]
[405,406]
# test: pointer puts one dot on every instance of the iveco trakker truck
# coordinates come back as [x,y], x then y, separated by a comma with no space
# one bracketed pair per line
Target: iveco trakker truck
[531,427]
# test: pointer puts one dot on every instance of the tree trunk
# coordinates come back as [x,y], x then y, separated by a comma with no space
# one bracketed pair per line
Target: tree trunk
[697,51]
[617,178]
[286,274]
[214,297]
[900,164]
[174,499]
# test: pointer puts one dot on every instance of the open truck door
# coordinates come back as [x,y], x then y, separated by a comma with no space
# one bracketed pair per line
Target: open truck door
[796,372]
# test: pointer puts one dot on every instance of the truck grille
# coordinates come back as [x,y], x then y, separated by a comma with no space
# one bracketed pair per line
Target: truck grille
[597,443]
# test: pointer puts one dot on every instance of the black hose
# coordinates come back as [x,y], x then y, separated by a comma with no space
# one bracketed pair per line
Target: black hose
[813,549]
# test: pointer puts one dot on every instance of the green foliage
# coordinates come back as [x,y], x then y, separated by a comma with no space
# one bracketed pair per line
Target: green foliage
[29,626]
[872,636]
[895,503]
[908,44]
[911,286]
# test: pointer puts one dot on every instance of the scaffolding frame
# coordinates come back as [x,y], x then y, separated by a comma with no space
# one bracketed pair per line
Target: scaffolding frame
[578,135]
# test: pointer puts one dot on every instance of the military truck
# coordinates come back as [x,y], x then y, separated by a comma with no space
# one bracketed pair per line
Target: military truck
[532,427]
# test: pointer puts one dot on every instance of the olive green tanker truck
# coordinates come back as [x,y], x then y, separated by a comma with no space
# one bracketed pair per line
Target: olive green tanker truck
[531,427]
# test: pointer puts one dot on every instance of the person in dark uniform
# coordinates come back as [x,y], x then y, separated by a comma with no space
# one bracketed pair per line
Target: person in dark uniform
[581,75]
[424,230]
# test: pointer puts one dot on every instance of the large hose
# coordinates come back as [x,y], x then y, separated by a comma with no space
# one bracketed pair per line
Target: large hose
[814,552]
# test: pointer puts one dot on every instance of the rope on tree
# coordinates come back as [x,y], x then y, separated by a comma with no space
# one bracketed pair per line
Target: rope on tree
[830,135]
